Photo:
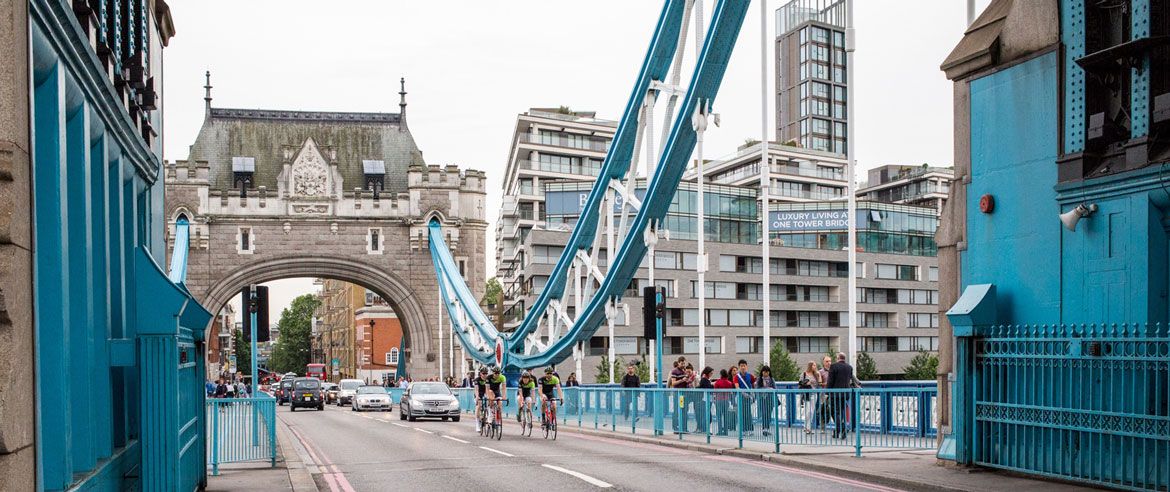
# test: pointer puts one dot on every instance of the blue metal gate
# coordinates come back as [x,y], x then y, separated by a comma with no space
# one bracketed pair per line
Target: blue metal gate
[1074,401]
[241,429]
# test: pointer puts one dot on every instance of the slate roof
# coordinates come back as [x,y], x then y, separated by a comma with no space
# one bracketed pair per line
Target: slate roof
[261,134]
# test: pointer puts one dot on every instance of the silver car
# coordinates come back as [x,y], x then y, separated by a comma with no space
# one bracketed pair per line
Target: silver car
[432,400]
[371,398]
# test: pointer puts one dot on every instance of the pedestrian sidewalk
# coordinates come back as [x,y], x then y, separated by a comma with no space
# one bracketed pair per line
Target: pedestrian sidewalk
[907,469]
[289,473]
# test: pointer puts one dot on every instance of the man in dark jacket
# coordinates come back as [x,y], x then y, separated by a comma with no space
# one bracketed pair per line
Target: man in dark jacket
[840,378]
[630,380]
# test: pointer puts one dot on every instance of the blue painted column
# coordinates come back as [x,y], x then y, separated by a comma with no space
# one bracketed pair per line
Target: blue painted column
[51,263]
[975,308]
[78,333]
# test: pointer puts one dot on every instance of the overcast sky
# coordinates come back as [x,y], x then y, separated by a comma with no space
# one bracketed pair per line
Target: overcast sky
[471,67]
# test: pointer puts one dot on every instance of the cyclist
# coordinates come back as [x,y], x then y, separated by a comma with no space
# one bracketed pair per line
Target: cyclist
[497,386]
[524,392]
[550,385]
[481,386]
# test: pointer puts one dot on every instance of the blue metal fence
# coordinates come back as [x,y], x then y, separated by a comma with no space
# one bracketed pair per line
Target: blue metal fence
[1087,402]
[899,417]
[241,429]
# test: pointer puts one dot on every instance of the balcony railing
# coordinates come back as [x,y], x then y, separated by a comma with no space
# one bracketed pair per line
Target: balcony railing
[580,143]
[578,169]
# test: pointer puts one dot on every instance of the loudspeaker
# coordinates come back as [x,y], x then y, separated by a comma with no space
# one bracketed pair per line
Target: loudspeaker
[1070,218]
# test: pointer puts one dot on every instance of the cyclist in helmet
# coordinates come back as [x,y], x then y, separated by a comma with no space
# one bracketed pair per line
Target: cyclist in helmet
[550,386]
[524,392]
[481,386]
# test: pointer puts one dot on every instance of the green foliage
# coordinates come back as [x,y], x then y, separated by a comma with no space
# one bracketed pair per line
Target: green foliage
[866,368]
[493,294]
[782,365]
[748,142]
[564,110]
[603,375]
[642,370]
[296,325]
[923,367]
[243,351]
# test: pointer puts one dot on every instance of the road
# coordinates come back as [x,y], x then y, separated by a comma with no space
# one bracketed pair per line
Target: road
[372,451]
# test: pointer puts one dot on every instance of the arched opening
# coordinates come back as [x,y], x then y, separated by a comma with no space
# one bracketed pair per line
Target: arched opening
[400,297]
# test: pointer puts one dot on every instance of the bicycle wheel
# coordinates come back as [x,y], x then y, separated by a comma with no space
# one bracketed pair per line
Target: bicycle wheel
[527,425]
[553,424]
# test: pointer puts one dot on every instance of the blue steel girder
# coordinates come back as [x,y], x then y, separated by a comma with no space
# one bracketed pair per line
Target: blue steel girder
[704,85]
[617,161]
[708,74]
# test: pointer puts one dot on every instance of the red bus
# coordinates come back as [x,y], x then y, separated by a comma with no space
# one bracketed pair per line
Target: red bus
[315,371]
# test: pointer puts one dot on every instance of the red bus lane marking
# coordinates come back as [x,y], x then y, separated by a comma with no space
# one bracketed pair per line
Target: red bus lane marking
[336,479]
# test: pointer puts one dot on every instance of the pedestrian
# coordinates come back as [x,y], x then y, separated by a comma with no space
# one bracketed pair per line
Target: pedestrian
[241,389]
[209,388]
[722,397]
[766,400]
[823,410]
[572,381]
[231,390]
[678,381]
[630,382]
[703,408]
[810,379]
[840,379]
[745,381]
[220,389]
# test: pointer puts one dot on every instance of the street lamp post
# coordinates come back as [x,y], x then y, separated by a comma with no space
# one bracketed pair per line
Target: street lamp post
[850,150]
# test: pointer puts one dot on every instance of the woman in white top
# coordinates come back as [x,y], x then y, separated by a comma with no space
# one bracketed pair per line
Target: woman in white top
[810,379]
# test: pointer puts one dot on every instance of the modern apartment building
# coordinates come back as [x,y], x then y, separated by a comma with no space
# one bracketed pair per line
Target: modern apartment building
[356,333]
[897,268]
[911,185]
[550,145]
[811,95]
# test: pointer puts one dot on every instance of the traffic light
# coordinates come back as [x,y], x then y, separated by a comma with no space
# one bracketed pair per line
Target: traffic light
[260,307]
[652,311]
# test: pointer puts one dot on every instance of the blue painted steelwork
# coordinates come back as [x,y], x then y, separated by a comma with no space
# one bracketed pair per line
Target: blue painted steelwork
[704,85]
[178,272]
[118,345]
[241,429]
[1062,355]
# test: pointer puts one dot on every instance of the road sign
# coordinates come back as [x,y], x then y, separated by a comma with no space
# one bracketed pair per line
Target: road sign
[499,352]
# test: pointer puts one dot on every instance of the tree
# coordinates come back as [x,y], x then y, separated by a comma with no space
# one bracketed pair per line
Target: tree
[866,368]
[782,365]
[923,367]
[296,326]
[643,370]
[603,374]
[493,293]
[243,351]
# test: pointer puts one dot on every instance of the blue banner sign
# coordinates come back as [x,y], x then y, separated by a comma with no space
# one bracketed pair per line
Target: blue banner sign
[808,220]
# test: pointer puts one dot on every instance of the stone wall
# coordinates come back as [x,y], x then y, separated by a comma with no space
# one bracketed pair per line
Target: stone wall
[336,244]
[17,426]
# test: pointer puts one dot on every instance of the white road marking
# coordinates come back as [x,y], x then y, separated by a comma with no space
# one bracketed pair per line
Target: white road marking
[456,439]
[400,425]
[423,430]
[580,475]
[497,451]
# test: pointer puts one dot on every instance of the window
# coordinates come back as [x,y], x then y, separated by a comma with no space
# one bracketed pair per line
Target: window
[245,243]
[897,272]
[932,274]
[727,263]
[923,320]
[748,345]
[667,286]
[374,241]
[875,320]
[392,357]
[814,345]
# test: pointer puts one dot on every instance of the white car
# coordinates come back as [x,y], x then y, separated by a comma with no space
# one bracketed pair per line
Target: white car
[371,398]
[348,388]
[433,400]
